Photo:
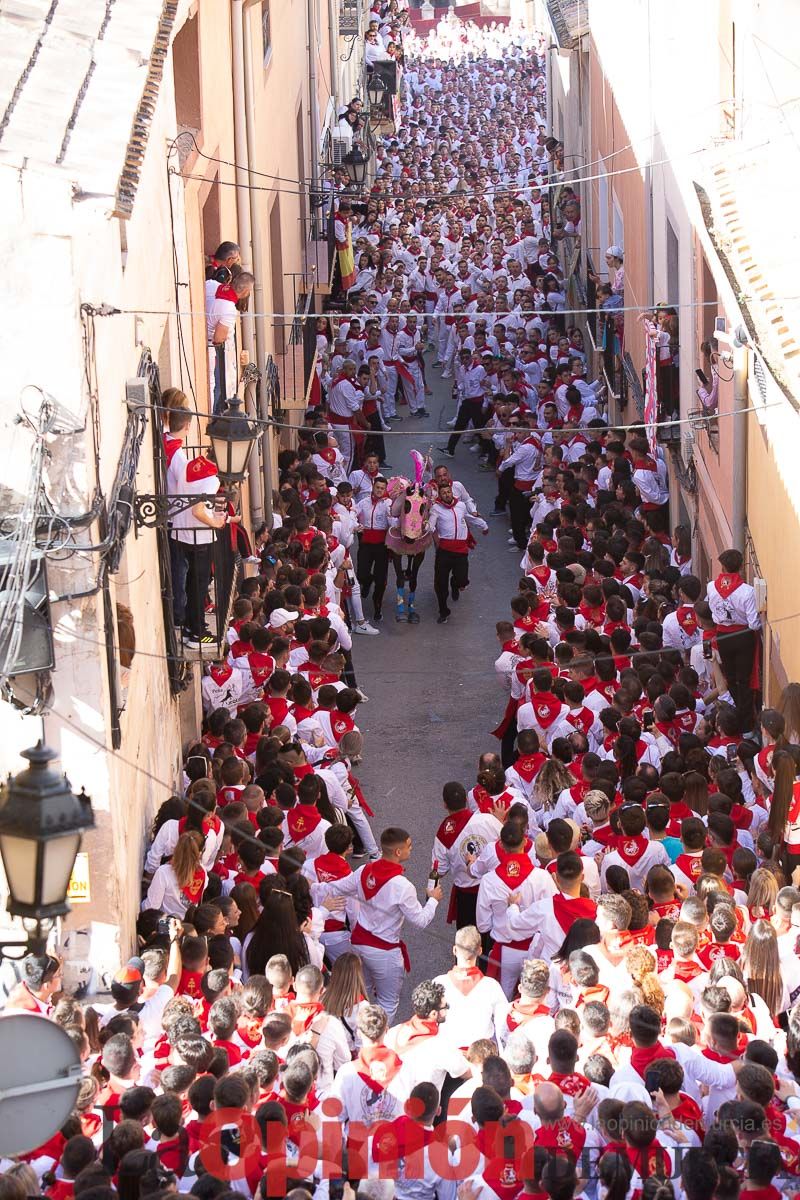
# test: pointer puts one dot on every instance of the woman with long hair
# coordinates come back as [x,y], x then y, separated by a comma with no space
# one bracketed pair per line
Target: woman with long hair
[246,898]
[181,881]
[783,822]
[552,780]
[641,966]
[614,1172]
[345,992]
[761,894]
[275,932]
[624,754]
[695,795]
[761,967]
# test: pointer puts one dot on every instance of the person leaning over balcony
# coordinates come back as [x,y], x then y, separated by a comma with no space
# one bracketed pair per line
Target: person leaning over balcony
[221,315]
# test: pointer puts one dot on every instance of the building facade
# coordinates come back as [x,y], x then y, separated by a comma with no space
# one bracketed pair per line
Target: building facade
[175,126]
[677,172]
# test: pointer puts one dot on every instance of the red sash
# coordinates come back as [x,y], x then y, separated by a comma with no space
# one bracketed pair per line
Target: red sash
[362,937]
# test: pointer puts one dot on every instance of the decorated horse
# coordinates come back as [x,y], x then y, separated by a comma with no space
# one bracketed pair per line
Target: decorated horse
[410,537]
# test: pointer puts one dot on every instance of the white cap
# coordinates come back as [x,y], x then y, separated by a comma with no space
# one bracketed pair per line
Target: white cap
[614,252]
[281,616]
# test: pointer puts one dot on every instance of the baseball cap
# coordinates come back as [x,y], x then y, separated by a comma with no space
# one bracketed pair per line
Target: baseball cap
[281,616]
[132,972]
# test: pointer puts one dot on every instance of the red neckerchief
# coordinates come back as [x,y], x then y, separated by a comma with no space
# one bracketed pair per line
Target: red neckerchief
[566,911]
[691,865]
[511,647]
[452,826]
[195,887]
[643,1056]
[631,849]
[715,1056]
[303,1014]
[377,1067]
[529,765]
[171,447]
[685,970]
[522,1011]
[226,292]
[375,875]
[598,992]
[687,619]
[302,820]
[592,616]
[727,584]
[465,979]
[413,1031]
[189,984]
[329,867]
[500,1173]
[400,1139]
[562,1135]
[669,910]
[514,870]
[603,834]
[573,1084]
[547,708]
[486,802]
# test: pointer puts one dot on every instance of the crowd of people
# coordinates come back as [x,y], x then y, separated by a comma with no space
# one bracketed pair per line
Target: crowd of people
[615,1015]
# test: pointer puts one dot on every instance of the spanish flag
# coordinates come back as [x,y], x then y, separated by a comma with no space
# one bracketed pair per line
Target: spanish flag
[347,262]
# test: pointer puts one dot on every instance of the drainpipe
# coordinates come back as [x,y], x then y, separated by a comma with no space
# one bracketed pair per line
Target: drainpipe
[333,46]
[260,261]
[739,499]
[313,99]
[245,237]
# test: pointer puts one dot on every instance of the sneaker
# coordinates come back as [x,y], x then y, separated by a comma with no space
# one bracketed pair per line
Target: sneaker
[454,592]
[377,615]
[364,697]
[448,453]
[365,627]
[498,512]
[452,424]
[474,448]
[206,642]
[512,541]
[387,428]
[413,617]
[443,618]
[447,374]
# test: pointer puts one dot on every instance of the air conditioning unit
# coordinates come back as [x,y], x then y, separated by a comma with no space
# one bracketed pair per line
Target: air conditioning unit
[760,589]
[688,444]
[340,147]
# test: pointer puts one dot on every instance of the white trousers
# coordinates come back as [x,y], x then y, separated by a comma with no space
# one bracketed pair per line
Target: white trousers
[336,943]
[414,392]
[383,975]
[511,968]
[389,407]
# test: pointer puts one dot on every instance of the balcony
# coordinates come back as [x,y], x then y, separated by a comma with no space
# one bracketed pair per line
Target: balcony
[350,17]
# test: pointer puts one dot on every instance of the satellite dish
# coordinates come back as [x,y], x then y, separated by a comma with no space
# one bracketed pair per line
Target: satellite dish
[40,1081]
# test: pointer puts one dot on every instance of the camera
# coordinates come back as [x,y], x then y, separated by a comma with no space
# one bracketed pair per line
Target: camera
[162,928]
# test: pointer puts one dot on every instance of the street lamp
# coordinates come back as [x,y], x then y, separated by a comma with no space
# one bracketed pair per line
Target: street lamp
[356,164]
[231,436]
[41,825]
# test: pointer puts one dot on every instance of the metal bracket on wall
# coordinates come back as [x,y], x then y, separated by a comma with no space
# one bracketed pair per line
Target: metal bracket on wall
[151,512]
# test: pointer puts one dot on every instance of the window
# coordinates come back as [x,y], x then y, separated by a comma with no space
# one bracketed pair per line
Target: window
[266,31]
[673,280]
[619,232]
[186,70]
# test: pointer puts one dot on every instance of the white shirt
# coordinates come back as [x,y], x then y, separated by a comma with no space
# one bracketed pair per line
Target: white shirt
[384,914]
[738,609]
[166,840]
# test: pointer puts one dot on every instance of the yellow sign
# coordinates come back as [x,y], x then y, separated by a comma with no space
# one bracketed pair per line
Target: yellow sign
[78,891]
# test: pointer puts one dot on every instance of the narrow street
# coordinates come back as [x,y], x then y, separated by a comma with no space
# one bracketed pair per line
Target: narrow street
[433,694]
